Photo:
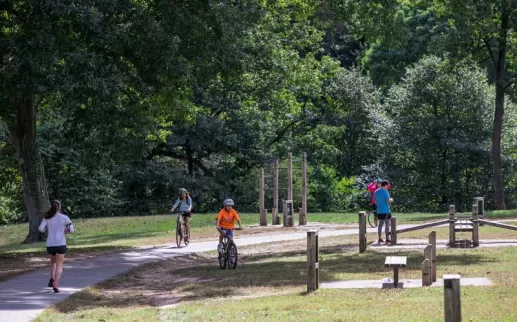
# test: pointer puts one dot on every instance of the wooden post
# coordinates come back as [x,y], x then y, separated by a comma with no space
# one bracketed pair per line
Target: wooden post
[393,222]
[451,298]
[432,242]
[263,213]
[428,254]
[452,223]
[288,213]
[362,232]
[313,270]
[481,206]
[302,218]
[475,225]
[275,217]
[290,176]
[426,275]
[303,209]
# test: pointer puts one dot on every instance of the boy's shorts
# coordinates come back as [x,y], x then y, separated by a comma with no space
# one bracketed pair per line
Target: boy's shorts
[384,216]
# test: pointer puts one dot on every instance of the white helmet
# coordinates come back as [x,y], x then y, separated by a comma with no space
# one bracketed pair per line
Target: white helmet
[228,202]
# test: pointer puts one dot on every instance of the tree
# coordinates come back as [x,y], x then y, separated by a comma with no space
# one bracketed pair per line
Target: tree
[441,139]
[84,52]
[487,27]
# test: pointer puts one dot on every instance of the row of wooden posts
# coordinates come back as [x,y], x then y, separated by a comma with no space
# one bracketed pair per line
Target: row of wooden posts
[473,225]
[287,205]
[451,283]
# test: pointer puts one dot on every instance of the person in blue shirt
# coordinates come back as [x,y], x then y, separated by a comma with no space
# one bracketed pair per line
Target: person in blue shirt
[383,201]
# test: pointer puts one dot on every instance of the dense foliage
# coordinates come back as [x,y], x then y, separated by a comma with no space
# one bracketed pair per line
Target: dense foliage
[135,99]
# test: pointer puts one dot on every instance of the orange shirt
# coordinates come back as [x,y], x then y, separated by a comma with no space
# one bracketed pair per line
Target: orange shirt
[227,218]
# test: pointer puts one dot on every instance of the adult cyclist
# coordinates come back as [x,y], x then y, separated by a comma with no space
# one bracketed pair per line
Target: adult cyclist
[185,203]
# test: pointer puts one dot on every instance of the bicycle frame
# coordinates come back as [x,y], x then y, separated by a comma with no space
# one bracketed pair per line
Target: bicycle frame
[228,244]
[181,230]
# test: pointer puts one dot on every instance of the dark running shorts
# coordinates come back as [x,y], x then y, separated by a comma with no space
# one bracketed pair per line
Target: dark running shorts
[186,214]
[56,250]
[384,216]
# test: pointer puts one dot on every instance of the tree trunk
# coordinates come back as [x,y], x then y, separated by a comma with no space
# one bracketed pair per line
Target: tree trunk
[500,87]
[190,159]
[23,135]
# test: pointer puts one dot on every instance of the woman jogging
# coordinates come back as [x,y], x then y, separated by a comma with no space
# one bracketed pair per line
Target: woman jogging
[56,224]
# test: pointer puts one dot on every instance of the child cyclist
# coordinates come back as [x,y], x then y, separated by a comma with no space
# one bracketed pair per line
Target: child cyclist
[185,203]
[226,220]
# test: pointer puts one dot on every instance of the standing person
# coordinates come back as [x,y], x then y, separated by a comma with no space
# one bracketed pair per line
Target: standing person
[372,187]
[383,201]
[226,220]
[56,225]
[185,203]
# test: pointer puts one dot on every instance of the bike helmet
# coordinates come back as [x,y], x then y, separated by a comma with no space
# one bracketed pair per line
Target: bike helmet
[183,190]
[228,202]
[378,180]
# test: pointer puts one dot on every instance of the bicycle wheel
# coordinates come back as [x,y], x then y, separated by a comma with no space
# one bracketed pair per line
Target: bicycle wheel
[179,234]
[371,219]
[186,240]
[232,256]
[222,258]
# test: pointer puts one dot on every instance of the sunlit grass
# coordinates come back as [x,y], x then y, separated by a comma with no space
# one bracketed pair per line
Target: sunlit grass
[269,285]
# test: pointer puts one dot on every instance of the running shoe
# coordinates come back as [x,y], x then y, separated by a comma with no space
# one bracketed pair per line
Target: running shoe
[380,241]
[51,282]
[55,288]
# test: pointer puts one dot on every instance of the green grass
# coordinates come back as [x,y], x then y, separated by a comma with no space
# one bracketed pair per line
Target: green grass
[120,232]
[103,235]
[204,289]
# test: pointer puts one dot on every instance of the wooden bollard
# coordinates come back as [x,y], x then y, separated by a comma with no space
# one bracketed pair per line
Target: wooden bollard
[362,232]
[393,222]
[481,206]
[288,213]
[263,217]
[275,219]
[451,298]
[432,242]
[274,211]
[426,275]
[263,212]
[304,190]
[475,225]
[313,270]
[452,223]
[302,218]
[428,254]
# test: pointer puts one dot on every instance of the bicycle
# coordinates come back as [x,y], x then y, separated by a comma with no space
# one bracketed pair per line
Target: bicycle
[181,231]
[229,255]
[371,219]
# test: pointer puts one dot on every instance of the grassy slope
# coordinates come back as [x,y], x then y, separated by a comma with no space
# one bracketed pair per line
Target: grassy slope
[120,232]
[102,235]
[281,268]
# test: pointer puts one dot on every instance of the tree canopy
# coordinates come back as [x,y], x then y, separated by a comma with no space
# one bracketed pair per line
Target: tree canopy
[111,106]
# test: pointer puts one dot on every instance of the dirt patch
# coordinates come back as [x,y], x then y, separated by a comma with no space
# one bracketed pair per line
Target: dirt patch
[198,277]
